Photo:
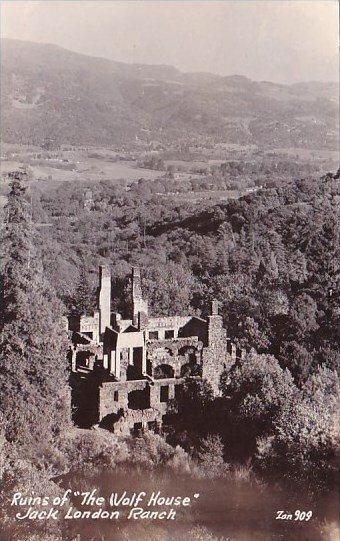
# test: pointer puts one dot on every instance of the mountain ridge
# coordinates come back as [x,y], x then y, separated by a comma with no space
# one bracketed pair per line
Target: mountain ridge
[50,93]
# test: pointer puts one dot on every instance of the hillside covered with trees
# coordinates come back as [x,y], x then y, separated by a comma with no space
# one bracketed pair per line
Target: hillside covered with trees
[271,259]
[52,96]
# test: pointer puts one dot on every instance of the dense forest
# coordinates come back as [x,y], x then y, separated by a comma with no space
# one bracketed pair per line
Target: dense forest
[271,259]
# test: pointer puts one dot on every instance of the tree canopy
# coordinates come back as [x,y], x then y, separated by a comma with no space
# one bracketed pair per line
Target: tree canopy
[33,375]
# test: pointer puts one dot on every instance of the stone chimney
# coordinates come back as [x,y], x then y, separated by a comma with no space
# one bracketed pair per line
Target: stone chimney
[214,308]
[142,321]
[139,305]
[215,324]
[104,298]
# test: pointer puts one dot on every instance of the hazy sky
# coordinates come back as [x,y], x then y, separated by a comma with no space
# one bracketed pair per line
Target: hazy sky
[277,40]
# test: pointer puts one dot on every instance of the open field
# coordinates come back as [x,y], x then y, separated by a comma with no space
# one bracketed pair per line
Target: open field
[192,164]
[305,153]
[84,170]
[50,167]
[115,170]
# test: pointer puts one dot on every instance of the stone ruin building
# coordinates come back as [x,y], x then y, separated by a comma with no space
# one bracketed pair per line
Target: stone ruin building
[125,371]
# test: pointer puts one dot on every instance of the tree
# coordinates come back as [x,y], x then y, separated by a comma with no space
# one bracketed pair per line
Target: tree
[297,359]
[251,335]
[33,366]
[259,388]
[303,316]
[306,440]
[210,456]
[255,390]
[298,267]
[169,288]
[83,301]
[192,413]
[195,396]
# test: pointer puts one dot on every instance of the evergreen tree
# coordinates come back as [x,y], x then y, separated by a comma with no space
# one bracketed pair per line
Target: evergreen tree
[83,302]
[210,456]
[298,267]
[33,366]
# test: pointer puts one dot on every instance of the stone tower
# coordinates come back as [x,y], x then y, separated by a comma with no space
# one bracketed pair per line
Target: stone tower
[214,356]
[104,298]
[139,305]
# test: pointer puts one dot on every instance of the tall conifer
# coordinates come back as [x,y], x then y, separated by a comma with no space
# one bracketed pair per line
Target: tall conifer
[33,366]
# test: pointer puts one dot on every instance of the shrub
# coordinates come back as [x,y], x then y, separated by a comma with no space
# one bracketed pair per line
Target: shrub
[210,457]
[20,475]
[98,448]
[151,450]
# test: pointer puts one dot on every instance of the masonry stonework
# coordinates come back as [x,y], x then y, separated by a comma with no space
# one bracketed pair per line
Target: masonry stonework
[126,371]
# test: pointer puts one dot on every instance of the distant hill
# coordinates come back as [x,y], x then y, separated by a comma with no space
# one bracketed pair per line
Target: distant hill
[49,94]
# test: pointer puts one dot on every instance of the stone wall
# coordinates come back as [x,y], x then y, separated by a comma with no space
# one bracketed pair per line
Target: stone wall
[172,322]
[175,353]
[173,344]
[104,300]
[127,422]
[90,324]
[114,396]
